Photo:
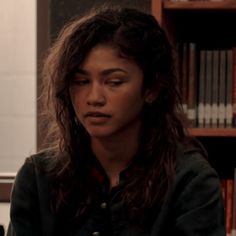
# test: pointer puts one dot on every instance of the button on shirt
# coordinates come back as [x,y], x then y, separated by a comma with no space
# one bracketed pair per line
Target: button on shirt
[96,234]
[103,205]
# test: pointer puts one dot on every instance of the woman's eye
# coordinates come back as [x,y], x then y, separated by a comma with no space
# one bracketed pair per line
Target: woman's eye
[115,83]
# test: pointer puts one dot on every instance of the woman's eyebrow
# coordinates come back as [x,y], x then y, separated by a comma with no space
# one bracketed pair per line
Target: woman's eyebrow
[102,73]
[112,70]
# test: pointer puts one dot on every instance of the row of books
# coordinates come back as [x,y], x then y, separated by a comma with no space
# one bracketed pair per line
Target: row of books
[207,81]
[197,0]
[229,197]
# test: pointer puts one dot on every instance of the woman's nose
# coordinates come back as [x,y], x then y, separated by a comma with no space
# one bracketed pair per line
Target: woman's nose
[96,96]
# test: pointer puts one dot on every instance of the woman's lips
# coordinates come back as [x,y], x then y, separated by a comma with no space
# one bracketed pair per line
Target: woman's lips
[96,114]
[97,117]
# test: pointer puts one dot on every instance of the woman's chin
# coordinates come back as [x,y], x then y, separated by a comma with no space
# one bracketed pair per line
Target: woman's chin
[100,133]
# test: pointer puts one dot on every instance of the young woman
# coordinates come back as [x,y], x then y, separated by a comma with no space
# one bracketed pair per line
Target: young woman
[118,160]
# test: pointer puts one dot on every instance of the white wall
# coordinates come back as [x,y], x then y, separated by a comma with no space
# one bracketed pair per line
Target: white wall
[17,82]
[17,86]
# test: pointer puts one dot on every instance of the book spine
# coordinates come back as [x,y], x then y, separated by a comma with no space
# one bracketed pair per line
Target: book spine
[234,206]
[229,78]
[229,206]
[234,87]
[215,83]
[192,86]
[201,89]
[185,77]
[222,80]
[208,91]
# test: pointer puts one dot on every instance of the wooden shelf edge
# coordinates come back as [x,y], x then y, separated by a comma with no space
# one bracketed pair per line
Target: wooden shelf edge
[229,5]
[213,132]
[7,175]
[5,192]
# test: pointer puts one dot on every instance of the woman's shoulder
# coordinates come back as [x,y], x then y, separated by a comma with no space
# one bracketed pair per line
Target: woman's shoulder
[34,167]
[40,159]
[193,160]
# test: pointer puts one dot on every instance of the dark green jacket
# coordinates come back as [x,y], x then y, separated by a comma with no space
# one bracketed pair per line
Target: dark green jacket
[194,205]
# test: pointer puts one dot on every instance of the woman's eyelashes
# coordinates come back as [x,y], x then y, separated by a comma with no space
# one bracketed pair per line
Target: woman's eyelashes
[111,82]
[115,82]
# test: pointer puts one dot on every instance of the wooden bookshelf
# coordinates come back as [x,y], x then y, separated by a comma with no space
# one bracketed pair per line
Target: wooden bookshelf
[227,5]
[213,132]
[199,22]
[210,25]
[6,182]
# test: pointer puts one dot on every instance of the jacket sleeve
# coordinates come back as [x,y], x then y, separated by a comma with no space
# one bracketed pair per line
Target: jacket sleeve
[24,210]
[200,210]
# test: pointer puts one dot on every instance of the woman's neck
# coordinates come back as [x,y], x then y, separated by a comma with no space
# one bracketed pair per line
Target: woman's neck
[116,153]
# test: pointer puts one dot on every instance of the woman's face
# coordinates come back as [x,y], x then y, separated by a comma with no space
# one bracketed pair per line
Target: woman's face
[106,93]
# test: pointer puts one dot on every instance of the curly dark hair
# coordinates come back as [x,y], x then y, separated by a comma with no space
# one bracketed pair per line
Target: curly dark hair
[138,36]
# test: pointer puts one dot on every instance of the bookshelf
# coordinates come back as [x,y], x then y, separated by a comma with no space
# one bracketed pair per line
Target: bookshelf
[209,24]
[213,132]
[227,5]
[199,21]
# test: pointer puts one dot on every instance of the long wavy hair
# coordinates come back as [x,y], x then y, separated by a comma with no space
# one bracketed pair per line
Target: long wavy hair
[138,36]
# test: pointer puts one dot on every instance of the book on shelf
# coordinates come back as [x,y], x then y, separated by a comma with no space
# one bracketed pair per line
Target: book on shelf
[208,88]
[201,89]
[234,206]
[191,105]
[223,190]
[234,88]
[229,206]
[185,71]
[182,64]
[229,198]
[222,79]
[215,88]
[229,89]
